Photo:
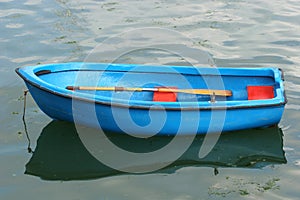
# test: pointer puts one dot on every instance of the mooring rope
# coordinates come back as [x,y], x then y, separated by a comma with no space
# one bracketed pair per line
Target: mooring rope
[24,122]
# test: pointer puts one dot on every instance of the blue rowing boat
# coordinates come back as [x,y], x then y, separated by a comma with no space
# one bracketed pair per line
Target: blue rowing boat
[164,100]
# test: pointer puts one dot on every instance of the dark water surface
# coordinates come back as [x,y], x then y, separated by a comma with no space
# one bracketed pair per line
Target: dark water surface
[253,164]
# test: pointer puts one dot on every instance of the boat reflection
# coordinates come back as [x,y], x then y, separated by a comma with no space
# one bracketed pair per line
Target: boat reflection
[60,154]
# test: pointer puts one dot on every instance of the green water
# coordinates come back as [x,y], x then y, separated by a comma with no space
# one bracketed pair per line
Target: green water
[256,164]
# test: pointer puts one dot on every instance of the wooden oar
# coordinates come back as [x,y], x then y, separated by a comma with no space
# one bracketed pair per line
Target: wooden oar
[189,91]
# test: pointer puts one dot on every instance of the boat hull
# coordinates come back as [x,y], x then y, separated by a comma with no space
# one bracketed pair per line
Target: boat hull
[185,122]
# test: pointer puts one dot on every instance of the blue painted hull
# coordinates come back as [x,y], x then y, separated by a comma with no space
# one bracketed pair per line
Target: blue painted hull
[137,114]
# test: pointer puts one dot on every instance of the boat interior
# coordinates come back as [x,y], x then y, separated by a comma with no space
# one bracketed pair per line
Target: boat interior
[241,86]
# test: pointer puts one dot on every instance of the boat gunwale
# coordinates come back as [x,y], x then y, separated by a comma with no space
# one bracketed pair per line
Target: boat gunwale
[159,105]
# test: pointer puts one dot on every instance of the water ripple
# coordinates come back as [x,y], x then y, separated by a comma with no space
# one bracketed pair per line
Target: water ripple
[15,13]
[290,43]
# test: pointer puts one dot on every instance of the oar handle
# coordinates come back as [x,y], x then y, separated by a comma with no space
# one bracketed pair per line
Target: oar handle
[72,88]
